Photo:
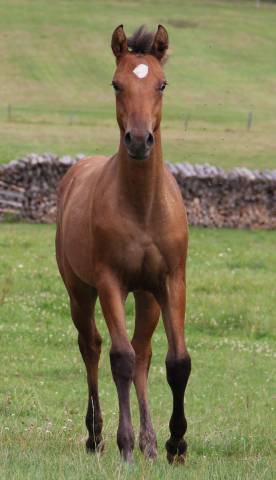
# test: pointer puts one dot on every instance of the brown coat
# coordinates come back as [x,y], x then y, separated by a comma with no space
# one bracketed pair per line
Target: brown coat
[121,228]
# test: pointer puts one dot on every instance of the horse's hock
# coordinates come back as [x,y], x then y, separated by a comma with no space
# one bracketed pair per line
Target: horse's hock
[213,197]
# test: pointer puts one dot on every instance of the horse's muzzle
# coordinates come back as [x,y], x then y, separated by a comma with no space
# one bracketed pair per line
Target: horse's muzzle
[139,145]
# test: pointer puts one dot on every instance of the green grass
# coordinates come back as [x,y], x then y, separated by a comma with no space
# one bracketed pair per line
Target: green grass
[56,67]
[230,400]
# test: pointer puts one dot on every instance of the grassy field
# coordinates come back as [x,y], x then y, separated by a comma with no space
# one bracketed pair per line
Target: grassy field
[56,67]
[230,400]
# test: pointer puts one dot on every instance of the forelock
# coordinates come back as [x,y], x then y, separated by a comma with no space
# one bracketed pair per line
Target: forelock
[141,41]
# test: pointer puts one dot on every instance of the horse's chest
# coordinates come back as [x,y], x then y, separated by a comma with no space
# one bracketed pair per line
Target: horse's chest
[140,257]
[142,263]
[145,258]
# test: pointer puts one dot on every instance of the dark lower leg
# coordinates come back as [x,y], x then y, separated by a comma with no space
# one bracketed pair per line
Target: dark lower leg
[122,366]
[178,371]
[147,437]
[82,310]
[91,354]
[178,362]
[94,423]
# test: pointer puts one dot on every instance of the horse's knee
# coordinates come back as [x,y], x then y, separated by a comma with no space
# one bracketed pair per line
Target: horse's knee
[98,340]
[178,371]
[122,365]
[123,369]
[96,345]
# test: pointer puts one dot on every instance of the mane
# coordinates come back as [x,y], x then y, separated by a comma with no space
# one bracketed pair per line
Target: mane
[141,41]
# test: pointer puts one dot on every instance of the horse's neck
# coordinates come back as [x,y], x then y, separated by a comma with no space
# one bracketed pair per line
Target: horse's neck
[141,181]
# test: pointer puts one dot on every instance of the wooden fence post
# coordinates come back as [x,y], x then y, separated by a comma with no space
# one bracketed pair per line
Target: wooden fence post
[249,120]
[9,112]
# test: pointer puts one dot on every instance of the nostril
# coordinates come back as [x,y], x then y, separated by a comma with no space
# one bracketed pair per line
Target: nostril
[127,139]
[150,140]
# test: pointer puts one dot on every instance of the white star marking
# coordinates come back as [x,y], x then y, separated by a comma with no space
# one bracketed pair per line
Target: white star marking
[141,70]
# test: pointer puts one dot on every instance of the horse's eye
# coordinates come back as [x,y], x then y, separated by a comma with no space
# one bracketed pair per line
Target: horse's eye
[115,86]
[162,86]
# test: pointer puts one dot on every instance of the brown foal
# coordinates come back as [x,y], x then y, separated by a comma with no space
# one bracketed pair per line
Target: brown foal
[122,227]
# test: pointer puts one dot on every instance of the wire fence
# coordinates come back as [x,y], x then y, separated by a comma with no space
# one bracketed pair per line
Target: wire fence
[49,115]
[87,116]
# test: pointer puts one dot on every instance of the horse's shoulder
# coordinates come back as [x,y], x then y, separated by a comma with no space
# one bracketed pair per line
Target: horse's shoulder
[172,186]
[80,170]
[87,164]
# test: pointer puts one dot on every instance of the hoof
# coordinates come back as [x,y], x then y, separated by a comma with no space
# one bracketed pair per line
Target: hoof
[149,451]
[126,456]
[94,445]
[148,445]
[176,451]
[176,459]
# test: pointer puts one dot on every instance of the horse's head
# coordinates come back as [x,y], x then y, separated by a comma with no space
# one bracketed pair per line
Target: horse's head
[139,82]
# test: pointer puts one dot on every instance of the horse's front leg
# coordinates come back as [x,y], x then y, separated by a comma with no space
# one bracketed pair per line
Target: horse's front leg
[178,362]
[147,316]
[122,359]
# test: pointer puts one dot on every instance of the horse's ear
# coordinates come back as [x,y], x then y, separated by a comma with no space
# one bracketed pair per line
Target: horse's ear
[160,44]
[119,43]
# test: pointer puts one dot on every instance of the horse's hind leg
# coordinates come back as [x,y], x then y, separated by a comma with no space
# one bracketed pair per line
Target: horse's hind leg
[82,309]
[147,316]
[178,363]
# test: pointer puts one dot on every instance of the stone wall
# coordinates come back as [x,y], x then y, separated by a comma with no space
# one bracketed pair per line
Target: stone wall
[213,197]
